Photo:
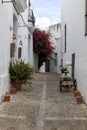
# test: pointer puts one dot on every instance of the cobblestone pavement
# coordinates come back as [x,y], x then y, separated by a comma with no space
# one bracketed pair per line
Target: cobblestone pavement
[43,107]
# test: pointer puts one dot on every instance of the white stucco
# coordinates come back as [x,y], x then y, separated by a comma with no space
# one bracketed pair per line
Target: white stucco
[73,12]
[6,22]
[55,38]
[25,33]
[9,25]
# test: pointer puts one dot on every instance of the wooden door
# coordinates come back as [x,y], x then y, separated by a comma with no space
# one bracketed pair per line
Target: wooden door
[47,66]
[73,65]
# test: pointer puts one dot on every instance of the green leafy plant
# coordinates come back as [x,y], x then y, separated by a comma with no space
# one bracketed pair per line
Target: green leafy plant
[20,72]
[63,69]
[67,78]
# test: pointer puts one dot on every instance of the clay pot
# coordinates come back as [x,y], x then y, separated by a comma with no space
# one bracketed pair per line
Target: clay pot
[7,97]
[79,99]
[18,86]
[14,90]
[77,93]
[22,81]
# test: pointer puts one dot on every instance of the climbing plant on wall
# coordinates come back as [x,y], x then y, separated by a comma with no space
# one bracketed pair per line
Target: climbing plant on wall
[42,45]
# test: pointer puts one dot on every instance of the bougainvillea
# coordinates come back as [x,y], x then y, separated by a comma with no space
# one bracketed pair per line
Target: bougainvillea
[42,45]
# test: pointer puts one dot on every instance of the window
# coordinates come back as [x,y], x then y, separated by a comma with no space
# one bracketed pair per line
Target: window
[85,17]
[65,36]
[12,50]
[55,61]
[19,52]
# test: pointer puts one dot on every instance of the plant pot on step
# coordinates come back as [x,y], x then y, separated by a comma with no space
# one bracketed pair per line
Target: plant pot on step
[7,97]
[18,86]
[77,93]
[14,90]
[79,99]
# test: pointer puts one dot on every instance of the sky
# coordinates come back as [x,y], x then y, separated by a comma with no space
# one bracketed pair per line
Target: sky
[47,12]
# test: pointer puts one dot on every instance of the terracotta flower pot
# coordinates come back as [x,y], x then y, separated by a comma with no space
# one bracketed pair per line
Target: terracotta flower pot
[77,93]
[22,81]
[18,86]
[7,97]
[14,90]
[79,99]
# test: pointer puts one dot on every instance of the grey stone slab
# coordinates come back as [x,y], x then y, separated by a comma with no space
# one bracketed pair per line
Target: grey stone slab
[70,109]
[43,107]
[17,124]
[66,125]
[25,96]
[29,110]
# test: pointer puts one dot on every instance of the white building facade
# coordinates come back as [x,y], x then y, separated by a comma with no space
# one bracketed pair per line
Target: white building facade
[74,40]
[12,38]
[25,33]
[55,61]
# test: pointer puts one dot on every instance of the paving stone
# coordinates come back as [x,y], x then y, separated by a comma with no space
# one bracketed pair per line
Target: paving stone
[43,107]
[66,125]
[20,109]
[26,96]
[17,124]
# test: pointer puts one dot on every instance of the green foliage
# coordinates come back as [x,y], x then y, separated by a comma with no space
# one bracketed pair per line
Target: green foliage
[20,71]
[42,45]
[63,69]
[67,78]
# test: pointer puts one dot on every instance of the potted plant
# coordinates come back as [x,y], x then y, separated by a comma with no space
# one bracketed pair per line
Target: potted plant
[20,72]
[67,81]
[63,69]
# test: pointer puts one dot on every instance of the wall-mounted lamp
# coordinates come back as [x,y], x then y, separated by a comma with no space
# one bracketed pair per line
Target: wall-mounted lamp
[14,36]
[20,43]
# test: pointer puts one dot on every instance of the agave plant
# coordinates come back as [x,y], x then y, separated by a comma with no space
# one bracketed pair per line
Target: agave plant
[20,72]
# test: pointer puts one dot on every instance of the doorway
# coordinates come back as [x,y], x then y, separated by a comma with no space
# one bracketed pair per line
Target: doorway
[73,65]
[47,66]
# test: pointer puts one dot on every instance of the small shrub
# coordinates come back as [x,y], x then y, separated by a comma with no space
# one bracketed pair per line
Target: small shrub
[67,78]
[20,72]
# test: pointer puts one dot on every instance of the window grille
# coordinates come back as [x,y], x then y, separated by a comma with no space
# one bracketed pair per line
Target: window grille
[85,17]
[65,36]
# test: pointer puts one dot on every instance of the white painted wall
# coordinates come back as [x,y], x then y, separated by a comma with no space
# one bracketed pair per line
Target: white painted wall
[36,62]
[6,21]
[55,32]
[73,12]
[25,35]
[8,26]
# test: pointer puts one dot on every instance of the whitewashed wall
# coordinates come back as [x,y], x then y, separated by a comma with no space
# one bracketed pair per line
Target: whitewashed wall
[73,12]
[8,26]
[55,31]
[6,22]
[25,35]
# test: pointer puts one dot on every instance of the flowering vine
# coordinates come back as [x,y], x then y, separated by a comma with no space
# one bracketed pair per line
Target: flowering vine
[42,45]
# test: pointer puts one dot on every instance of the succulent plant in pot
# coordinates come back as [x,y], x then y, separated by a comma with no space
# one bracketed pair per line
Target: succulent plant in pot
[66,80]
[20,72]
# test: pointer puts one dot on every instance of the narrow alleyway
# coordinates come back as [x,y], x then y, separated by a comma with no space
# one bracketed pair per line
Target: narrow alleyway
[43,107]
